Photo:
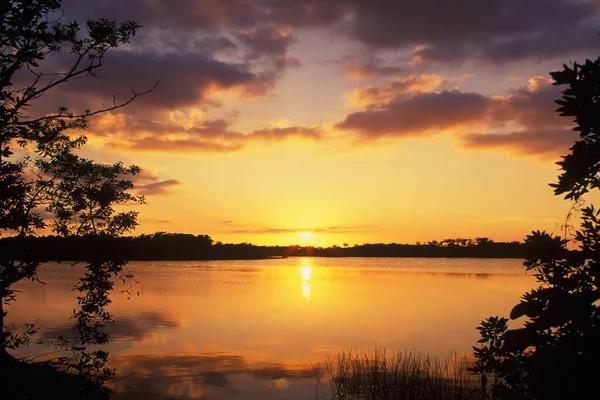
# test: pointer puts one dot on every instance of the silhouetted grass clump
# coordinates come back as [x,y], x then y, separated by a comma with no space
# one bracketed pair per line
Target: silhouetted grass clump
[404,375]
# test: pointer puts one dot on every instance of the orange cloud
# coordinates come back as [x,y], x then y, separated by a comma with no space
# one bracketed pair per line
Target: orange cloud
[419,113]
[204,136]
[543,142]
[372,95]
[523,122]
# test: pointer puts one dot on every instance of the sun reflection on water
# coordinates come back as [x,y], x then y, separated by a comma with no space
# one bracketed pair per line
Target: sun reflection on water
[306,272]
[305,289]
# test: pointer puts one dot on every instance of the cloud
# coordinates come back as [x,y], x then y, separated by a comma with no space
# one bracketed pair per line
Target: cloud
[531,106]
[360,66]
[191,47]
[544,142]
[191,134]
[148,184]
[447,32]
[178,145]
[453,32]
[523,122]
[185,79]
[157,188]
[190,15]
[418,114]
[266,41]
[277,134]
[372,95]
[542,131]
[272,230]
[200,49]
[498,32]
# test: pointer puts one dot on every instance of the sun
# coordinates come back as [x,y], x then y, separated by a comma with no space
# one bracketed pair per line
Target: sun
[306,235]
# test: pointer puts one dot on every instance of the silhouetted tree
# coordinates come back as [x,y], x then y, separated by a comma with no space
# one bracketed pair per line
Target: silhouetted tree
[40,171]
[555,355]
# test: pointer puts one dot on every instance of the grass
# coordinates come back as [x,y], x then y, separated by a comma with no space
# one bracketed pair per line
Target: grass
[410,375]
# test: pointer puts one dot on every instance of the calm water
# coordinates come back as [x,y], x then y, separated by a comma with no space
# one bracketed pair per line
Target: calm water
[251,329]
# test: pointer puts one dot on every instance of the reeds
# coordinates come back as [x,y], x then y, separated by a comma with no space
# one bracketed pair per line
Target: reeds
[410,375]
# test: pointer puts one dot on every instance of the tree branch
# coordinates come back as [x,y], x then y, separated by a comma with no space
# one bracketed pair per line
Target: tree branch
[115,106]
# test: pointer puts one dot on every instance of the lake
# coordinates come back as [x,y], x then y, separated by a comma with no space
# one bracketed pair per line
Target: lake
[255,329]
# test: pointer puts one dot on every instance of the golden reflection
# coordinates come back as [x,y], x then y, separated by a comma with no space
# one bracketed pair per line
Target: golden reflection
[306,272]
[305,289]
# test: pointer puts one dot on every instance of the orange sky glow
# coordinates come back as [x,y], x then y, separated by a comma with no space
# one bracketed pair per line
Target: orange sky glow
[321,123]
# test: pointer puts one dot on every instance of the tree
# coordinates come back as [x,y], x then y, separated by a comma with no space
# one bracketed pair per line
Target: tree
[40,172]
[555,354]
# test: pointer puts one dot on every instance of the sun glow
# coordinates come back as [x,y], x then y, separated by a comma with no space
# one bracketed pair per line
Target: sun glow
[306,235]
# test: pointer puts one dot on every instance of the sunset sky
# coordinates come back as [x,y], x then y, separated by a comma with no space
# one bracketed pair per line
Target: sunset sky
[323,122]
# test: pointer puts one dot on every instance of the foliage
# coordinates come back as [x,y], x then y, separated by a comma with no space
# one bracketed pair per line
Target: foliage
[580,101]
[555,353]
[41,176]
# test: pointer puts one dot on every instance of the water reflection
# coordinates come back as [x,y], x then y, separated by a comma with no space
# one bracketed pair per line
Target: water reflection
[210,375]
[248,329]
[127,327]
[306,272]
[305,289]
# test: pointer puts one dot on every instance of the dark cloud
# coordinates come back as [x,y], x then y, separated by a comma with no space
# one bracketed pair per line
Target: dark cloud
[532,106]
[157,188]
[522,122]
[169,42]
[197,48]
[185,79]
[499,31]
[126,327]
[205,15]
[266,41]
[452,32]
[543,133]
[414,115]
[543,142]
[366,66]
[184,45]
[148,184]
[268,46]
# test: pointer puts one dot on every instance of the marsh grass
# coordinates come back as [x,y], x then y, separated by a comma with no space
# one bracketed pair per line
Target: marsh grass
[358,375]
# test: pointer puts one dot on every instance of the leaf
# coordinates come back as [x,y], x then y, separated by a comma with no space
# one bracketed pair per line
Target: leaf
[519,339]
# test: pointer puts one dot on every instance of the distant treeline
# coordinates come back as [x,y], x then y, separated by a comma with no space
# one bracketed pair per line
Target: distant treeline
[178,246]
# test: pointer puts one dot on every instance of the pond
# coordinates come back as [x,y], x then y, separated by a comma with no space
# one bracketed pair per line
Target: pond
[258,329]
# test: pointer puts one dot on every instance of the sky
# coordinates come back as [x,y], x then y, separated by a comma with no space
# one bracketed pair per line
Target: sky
[322,122]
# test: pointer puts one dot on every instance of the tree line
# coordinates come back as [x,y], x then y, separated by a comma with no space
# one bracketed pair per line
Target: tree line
[180,246]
